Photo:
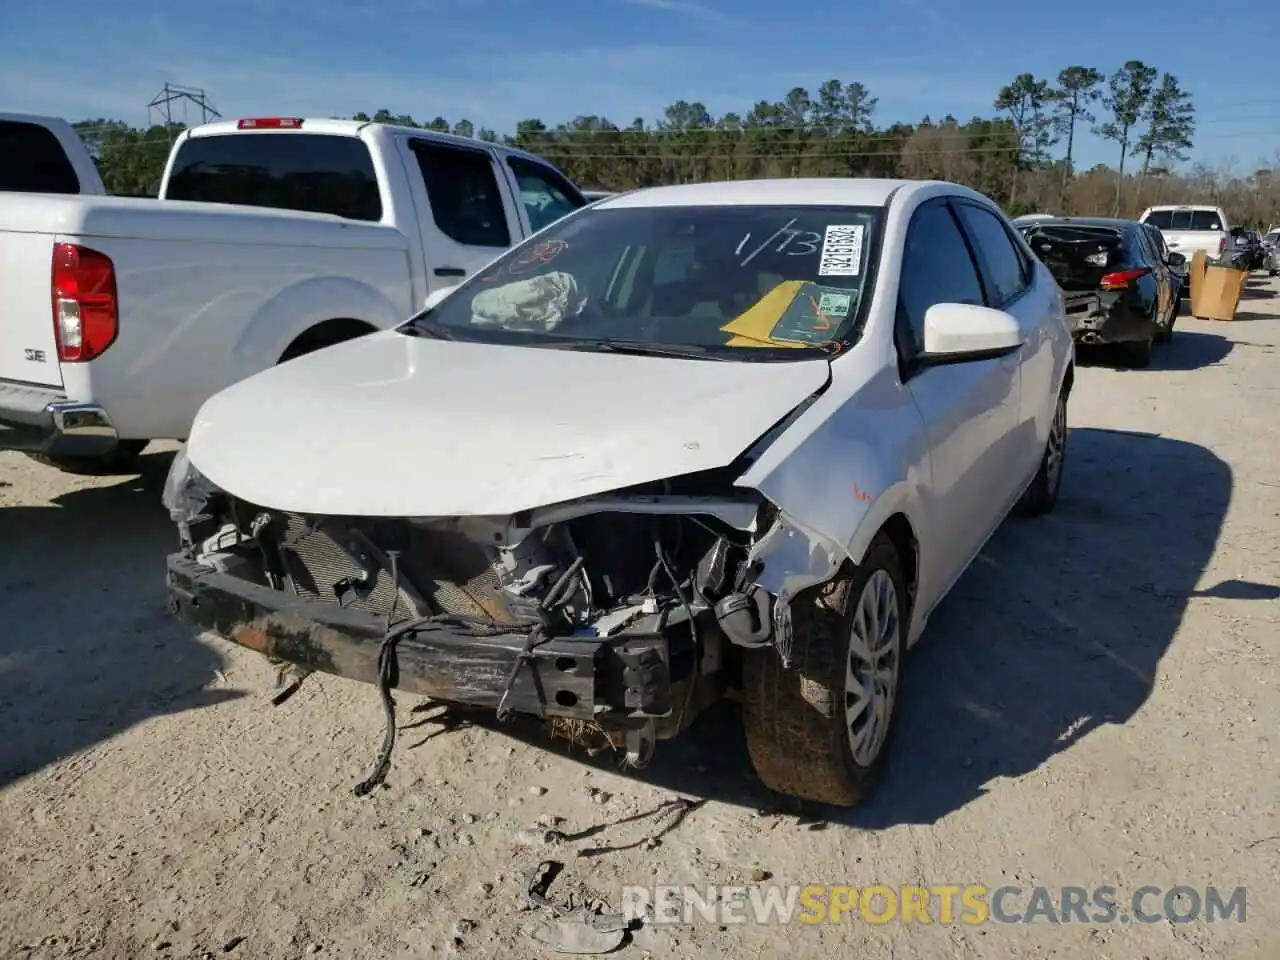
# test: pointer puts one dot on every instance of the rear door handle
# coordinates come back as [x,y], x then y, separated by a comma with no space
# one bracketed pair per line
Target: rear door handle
[450,272]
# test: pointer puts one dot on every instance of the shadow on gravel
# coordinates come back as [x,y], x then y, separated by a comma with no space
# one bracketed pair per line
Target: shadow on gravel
[1254,316]
[1057,629]
[1188,350]
[87,646]
[1256,290]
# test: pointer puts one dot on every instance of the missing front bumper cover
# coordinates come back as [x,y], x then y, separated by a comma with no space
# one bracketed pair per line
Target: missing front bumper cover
[626,676]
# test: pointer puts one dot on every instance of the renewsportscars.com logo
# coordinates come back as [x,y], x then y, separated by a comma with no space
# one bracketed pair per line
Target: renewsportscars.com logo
[969,904]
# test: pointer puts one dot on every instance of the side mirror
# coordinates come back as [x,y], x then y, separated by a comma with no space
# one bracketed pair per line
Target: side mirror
[963,332]
[1237,231]
[1177,260]
[436,296]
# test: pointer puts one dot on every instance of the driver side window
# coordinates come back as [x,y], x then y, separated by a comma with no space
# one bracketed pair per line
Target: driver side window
[937,267]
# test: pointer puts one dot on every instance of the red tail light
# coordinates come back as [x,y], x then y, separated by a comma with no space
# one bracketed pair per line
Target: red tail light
[86,316]
[270,123]
[1222,246]
[1122,278]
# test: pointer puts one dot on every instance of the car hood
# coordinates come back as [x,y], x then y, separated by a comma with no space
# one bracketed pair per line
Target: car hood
[392,425]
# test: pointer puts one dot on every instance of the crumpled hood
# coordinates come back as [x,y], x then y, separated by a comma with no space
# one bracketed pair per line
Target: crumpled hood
[392,425]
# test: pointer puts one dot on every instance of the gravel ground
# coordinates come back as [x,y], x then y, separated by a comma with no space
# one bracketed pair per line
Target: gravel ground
[1096,703]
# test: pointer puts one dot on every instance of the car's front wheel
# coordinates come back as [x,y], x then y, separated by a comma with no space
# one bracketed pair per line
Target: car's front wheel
[817,730]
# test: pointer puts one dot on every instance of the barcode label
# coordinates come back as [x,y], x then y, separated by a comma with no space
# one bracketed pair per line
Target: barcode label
[841,250]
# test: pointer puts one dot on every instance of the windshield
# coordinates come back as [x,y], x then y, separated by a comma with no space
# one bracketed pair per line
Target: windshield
[1184,219]
[739,282]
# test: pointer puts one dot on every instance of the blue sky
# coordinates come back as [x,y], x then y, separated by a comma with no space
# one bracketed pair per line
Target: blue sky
[497,61]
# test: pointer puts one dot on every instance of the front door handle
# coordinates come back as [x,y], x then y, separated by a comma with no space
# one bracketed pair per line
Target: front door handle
[450,272]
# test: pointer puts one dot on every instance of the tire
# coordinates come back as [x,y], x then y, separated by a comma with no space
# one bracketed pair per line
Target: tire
[1042,496]
[123,458]
[796,718]
[1135,354]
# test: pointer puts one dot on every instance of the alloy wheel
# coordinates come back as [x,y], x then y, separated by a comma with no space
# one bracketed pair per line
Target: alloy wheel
[871,672]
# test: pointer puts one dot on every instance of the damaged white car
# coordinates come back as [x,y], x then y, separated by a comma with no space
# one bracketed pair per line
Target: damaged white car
[695,441]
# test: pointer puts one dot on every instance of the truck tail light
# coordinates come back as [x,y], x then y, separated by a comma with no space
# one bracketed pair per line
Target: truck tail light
[1222,245]
[1122,278]
[86,315]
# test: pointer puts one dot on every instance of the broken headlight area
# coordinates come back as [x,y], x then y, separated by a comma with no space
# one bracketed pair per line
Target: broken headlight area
[188,496]
[614,618]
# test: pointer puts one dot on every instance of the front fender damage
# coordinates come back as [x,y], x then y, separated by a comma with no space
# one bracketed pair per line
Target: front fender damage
[787,560]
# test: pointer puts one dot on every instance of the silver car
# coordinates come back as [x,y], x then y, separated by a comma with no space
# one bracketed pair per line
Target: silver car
[1271,252]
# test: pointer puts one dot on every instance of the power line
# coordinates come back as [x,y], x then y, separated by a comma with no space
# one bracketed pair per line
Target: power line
[552,142]
[808,134]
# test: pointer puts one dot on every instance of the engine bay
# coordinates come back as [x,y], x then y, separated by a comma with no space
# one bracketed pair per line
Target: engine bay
[671,558]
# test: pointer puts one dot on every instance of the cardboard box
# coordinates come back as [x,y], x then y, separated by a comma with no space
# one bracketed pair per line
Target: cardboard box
[1220,292]
[1195,277]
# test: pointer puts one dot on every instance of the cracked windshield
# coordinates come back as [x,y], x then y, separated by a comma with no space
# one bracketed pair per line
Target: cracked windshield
[715,279]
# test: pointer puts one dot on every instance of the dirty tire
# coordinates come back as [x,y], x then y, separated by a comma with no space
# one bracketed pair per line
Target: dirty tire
[1042,495]
[123,458]
[795,718]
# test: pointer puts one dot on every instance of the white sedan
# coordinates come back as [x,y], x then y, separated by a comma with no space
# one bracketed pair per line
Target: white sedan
[690,439]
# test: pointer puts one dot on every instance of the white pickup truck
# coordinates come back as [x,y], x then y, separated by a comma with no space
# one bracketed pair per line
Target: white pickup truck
[271,238]
[1187,229]
[45,155]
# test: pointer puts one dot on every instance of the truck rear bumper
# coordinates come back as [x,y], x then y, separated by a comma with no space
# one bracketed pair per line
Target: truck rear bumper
[575,677]
[39,420]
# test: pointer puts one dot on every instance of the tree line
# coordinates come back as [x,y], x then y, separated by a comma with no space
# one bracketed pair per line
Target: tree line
[1022,155]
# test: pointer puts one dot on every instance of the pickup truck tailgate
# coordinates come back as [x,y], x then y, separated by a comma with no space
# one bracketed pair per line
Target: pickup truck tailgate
[1187,242]
[28,350]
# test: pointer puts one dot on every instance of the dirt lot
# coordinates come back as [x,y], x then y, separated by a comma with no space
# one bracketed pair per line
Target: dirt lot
[1097,703]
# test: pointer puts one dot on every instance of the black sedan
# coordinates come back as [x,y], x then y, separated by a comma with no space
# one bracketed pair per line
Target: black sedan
[1120,284]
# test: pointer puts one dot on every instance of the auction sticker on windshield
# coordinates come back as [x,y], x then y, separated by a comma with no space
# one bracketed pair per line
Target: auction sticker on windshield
[841,250]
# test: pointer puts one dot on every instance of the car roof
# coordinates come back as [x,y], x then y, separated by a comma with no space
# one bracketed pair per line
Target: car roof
[800,191]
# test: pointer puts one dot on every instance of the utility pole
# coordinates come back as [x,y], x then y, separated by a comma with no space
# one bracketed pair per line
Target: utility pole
[162,104]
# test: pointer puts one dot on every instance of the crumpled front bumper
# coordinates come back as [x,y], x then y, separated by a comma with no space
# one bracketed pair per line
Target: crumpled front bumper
[573,677]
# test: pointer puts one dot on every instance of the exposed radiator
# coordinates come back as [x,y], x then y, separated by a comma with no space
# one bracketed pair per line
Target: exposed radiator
[450,573]
[318,565]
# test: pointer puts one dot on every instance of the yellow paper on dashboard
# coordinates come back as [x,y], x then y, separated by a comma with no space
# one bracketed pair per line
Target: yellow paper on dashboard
[795,313]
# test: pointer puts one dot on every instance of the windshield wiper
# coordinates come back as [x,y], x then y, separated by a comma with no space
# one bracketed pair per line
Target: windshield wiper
[420,326]
[639,348]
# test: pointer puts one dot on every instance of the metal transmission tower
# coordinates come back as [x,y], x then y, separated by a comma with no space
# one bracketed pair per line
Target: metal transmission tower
[162,103]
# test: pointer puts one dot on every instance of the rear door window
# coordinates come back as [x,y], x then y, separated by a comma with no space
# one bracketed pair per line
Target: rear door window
[462,187]
[545,194]
[32,160]
[309,172]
